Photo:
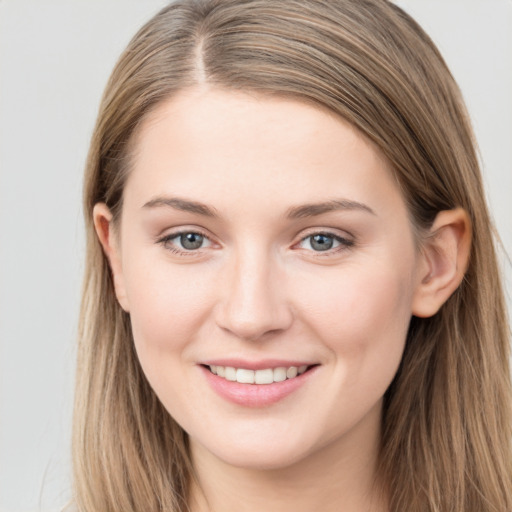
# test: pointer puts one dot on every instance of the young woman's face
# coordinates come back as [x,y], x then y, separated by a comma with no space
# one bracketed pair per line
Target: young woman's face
[267,239]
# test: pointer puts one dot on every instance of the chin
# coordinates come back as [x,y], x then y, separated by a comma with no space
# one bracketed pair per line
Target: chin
[267,460]
[258,452]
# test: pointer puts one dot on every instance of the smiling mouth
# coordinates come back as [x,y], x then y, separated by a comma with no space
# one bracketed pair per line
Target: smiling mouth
[264,376]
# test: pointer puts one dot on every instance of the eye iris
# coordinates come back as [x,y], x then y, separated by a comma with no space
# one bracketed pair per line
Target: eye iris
[321,242]
[191,241]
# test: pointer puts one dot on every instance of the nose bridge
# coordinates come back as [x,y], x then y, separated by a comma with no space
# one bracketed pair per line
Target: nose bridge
[255,301]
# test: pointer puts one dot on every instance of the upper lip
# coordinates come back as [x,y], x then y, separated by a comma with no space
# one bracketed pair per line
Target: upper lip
[256,365]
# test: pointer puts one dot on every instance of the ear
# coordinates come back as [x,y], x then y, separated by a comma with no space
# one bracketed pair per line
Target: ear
[444,260]
[110,242]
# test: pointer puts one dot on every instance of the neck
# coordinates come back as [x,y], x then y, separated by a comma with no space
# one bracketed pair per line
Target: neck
[341,477]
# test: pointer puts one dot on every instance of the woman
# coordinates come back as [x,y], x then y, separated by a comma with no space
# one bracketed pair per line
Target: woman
[291,296]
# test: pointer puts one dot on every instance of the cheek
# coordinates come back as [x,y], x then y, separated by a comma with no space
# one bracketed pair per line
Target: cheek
[361,313]
[167,304]
[167,311]
[362,318]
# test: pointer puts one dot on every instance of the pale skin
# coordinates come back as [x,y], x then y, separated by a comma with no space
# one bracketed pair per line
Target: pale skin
[270,277]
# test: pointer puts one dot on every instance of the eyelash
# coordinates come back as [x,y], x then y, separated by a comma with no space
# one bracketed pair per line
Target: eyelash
[166,241]
[344,243]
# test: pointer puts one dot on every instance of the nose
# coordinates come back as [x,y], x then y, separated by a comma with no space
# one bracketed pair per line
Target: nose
[254,302]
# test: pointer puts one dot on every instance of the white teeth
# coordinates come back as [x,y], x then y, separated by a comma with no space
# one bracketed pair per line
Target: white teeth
[245,376]
[279,374]
[230,373]
[266,376]
[291,372]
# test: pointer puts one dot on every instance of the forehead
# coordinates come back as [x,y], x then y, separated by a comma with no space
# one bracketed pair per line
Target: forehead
[210,142]
[209,114]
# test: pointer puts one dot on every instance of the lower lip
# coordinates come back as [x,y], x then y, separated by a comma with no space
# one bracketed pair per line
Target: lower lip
[255,395]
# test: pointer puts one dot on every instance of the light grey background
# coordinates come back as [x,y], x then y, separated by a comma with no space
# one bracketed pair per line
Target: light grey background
[55,57]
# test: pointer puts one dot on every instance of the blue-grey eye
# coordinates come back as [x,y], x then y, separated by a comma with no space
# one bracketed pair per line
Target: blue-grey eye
[191,241]
[321,242]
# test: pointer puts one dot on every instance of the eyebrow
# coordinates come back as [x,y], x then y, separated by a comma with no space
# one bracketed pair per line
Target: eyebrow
[295,212]
[184,205]
[312,210]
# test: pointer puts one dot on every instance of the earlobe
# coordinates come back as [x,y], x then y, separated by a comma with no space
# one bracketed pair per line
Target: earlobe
[103,225]
[444,260]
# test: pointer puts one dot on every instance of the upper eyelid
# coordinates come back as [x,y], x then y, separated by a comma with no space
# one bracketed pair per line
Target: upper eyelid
[325,233]
[342,240]
[182,231]
[334,232]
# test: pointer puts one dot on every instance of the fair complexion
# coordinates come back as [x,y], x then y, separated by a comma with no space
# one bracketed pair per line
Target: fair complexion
[261,233]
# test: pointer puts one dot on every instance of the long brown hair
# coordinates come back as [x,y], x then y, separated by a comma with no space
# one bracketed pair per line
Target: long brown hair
[446,444]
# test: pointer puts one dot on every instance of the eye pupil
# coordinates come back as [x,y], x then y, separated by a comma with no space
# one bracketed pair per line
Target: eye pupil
[191,241]
[321,242]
